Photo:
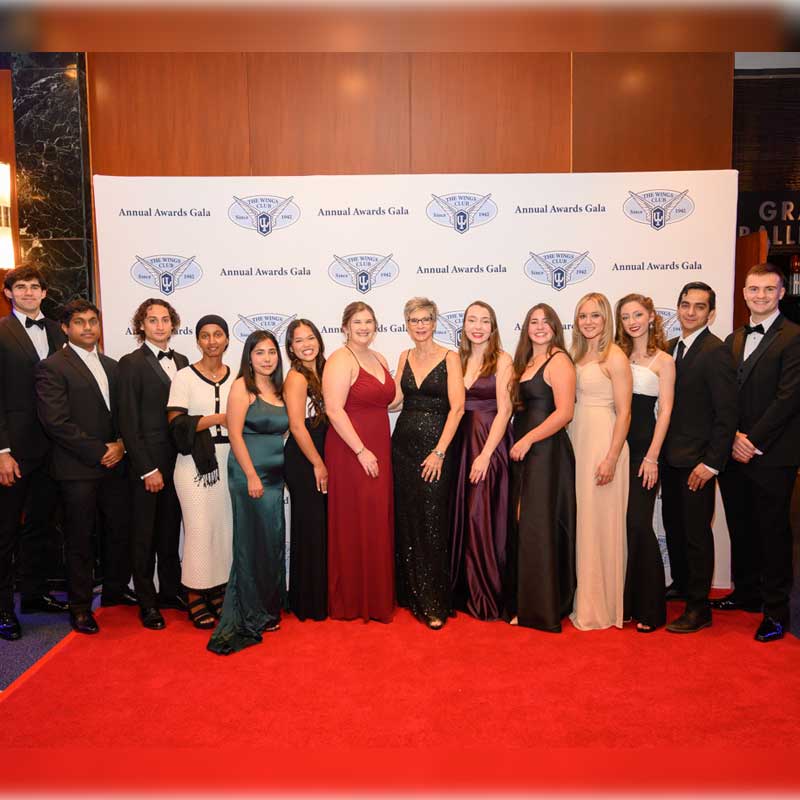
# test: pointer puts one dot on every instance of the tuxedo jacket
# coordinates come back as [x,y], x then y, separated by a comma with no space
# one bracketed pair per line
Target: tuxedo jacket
[143,394]
[19,425]
[703,421]
[769,392]
[74,415]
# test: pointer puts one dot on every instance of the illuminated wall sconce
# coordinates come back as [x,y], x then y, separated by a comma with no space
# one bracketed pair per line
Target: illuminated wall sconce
[6,239]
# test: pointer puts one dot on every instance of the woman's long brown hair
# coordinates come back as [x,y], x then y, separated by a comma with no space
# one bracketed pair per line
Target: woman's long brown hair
[493,347]
[522,355]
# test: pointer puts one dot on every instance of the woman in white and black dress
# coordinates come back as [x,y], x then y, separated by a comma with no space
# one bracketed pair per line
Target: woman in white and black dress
[196,411]
[641,337]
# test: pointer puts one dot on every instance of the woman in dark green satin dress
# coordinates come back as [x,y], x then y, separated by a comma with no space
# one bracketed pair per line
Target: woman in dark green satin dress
[257,421]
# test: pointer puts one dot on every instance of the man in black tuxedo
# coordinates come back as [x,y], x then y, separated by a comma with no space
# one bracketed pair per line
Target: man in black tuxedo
[695,450]
[26,337]
[77,400]
[145,377]
[757,484]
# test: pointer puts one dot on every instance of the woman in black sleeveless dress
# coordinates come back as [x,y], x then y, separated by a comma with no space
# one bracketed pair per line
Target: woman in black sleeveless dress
[429,379]
[305,471]
[541,559]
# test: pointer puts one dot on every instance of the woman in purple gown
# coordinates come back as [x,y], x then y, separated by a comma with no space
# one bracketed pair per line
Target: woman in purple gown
[480,519]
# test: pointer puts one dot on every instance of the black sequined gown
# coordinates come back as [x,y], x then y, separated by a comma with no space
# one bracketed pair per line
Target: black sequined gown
[422,510]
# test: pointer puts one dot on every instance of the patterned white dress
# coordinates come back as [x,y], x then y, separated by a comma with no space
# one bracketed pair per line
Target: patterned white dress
[207,514]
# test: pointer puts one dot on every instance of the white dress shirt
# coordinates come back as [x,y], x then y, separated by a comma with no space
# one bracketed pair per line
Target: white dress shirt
[92,361]
[37,335]
[688,341]
[167,364]
[753,340]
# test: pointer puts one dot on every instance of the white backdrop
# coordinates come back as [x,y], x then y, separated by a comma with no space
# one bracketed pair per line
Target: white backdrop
[261,250]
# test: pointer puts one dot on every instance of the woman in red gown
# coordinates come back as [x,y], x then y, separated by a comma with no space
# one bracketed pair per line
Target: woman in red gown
[357,388]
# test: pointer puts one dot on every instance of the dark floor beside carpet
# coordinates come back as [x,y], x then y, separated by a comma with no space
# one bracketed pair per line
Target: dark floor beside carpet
[40,632]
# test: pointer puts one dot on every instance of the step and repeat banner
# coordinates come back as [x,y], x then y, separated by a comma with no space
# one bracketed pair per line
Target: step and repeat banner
[260,251]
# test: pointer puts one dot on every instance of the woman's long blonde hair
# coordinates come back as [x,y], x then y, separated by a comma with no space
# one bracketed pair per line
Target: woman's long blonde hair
[580,344]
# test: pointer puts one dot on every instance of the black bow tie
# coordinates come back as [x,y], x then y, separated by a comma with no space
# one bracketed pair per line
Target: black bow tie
[748,329]
[165,354]
[29,323]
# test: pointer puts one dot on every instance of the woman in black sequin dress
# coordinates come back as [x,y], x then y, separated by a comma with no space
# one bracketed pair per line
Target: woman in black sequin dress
[432,388]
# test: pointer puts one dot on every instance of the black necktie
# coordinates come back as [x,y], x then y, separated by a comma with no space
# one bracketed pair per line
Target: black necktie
[165,354]
[748,329]
[681,351]
[29,323]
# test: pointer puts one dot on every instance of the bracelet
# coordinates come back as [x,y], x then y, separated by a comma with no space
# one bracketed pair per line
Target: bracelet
[650,460]
[363,448]
[439,454]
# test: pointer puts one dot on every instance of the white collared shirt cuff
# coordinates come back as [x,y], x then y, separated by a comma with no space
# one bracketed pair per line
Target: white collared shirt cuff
[148,474]
[5,450]
[711,469]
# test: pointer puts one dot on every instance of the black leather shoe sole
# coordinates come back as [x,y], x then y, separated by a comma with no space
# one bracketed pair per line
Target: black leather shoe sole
[86,625]
[770,631]
[152,620]
[10,632]
[678,627]
[43,605]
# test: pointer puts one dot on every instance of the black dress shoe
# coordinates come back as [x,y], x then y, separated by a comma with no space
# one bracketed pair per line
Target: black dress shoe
[9,626]
[691,622]
[152,619]
[770,630]
[37,603]
[732,603]
[83,622]
[674,592]
[175,601]
[127,598]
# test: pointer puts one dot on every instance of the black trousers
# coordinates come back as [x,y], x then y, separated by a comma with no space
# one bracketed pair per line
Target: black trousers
[757,503]
[644,575]
[36,494]
[687,517]
[155,532]
[83,500]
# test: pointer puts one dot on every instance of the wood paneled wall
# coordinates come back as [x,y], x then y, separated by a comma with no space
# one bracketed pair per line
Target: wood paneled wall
[652,111]
[344,113]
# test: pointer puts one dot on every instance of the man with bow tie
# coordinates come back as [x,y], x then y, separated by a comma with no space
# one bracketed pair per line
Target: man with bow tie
[26,337]
[758,482]
[145,378]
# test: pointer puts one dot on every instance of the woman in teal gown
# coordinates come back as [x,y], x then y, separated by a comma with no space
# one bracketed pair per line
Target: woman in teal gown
[257,421]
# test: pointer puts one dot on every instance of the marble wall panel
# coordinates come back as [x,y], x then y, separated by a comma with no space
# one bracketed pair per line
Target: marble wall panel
[53,171]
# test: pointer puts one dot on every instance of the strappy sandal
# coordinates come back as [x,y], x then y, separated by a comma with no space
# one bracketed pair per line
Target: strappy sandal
[199,615]
[214,599]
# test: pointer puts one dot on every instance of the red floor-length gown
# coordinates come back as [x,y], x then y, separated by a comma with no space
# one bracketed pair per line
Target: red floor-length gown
[360,508]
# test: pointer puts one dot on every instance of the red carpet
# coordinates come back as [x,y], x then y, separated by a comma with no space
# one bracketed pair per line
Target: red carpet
[398,707]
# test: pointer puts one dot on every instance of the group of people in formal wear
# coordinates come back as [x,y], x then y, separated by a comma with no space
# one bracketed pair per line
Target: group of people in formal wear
[519,487]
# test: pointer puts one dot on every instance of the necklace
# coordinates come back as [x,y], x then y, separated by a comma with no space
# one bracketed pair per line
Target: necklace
[208,373]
